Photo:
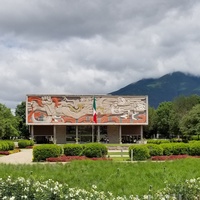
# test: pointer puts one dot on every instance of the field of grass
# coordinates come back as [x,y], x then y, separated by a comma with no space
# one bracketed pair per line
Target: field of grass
[120,178]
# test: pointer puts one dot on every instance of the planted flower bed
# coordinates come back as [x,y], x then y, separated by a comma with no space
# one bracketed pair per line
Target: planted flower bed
[64,158]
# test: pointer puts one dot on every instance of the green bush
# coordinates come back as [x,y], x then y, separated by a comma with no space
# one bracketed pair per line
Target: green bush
[180,148]
[167,149]
[4,145]
[73,149]
[11,144]
[140,152]
[41,152]
[93,150]
[157,141]
[25,143]
[194,149]
[195,137]
[155,150]
[176,140]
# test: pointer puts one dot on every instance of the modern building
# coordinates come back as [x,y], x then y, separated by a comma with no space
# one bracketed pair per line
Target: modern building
[69,118]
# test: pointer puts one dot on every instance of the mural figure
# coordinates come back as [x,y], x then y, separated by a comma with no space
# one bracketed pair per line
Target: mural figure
[78,109]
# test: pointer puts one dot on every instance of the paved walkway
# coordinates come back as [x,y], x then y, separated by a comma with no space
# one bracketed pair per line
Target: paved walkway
[23,157]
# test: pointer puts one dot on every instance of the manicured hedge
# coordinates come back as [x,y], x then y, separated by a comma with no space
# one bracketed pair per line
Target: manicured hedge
[73,149]
[25,143]
[180,148]
[194,149]
[155,150]
[157,141]
[41,152]
[6,145]
[140,152]
[167,149]
[95,150]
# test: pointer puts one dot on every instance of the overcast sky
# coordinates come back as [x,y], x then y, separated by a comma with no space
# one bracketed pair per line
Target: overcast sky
[93,46]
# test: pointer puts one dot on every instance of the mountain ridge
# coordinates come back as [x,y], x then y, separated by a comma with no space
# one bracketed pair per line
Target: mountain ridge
[164,88]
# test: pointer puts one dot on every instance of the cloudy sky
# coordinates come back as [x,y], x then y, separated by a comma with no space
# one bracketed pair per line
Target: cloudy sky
[93,46]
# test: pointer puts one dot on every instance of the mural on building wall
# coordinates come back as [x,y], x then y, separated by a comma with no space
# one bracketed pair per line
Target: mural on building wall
[79,110]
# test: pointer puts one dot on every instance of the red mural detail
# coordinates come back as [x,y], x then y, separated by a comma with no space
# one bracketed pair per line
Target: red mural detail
[37,99]
[56,100]
[85,119]
[126,120]
[141,120]
[30,116]
[67,119]
[104,119]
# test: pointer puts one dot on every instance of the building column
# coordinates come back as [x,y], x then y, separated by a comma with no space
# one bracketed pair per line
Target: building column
[120,134]
[98,133]
[32,132]
[54,134]
[92,133]
[76,134]
[141,132]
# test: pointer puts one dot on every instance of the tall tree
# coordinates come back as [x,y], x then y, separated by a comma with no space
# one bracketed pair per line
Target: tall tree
[162,118]
[150,129]
[190,123]
[20,113]
[8,123]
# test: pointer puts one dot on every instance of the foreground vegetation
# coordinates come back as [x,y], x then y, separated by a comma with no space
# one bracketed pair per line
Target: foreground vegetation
[118,178]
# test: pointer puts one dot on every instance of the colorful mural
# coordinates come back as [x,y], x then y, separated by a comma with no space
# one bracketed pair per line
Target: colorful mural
[58,109]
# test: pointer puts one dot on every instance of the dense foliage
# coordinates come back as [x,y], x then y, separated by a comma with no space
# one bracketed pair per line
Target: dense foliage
[40,153]
[8,123]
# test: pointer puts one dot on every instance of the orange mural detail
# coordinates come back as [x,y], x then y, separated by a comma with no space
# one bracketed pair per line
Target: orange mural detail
[79,109]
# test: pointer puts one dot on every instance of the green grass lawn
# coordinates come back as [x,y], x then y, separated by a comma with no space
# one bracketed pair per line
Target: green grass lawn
[121,178]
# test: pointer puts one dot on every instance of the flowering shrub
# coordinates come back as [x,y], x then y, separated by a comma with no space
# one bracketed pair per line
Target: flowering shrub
[4,153]
[64,158]
[22,188]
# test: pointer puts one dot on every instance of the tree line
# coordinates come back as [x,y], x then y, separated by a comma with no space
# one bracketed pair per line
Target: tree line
[177,118]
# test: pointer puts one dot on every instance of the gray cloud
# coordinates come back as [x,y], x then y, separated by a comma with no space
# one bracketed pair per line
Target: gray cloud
[93,47]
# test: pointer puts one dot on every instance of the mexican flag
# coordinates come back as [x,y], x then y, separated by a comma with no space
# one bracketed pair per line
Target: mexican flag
[94,111]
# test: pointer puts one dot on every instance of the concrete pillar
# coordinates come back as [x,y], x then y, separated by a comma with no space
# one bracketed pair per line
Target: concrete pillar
[61,134]
[76,134]
[54,134]
[92,133]
[113,134]
[32,132]
[98,133]
[120,134]
[141,132]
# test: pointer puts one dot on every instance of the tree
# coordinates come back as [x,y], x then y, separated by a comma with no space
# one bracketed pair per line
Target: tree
[162,118]
[150,129]
[20,113]
[8,123]
[190,123]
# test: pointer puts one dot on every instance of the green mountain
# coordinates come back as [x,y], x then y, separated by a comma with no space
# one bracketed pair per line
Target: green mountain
[165,88]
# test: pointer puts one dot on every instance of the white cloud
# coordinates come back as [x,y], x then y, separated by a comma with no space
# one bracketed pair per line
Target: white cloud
[93,47]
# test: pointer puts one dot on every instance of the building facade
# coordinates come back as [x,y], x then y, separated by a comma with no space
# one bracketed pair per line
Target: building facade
[69,118]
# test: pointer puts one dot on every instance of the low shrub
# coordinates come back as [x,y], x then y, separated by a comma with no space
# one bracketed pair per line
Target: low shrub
[155,150]
[157,141]
[194,149]
[4,146]
[180,149]
[25,143]
[11,144]
[167,149]
[42,152]
[139,152]
[195,137]
[92,150]
[72,149]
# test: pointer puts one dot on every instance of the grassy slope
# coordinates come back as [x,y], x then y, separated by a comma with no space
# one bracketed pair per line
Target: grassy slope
[119,178]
